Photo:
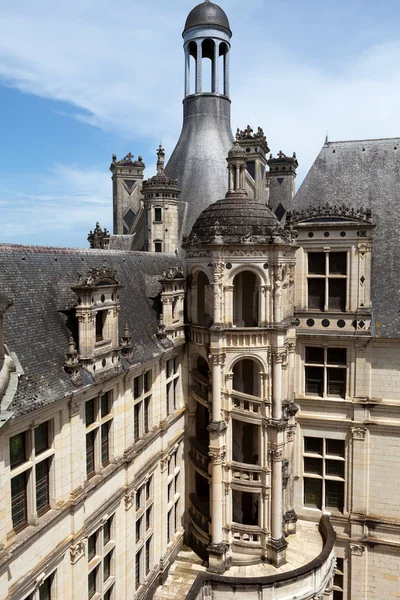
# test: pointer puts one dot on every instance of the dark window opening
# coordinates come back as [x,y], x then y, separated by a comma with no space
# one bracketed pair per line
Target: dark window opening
[316,294]
[43,487]
[158,215]
[42,438]
[245,506]
[18,501]
[245,300]
[17,450]
[158,246]
[100,321]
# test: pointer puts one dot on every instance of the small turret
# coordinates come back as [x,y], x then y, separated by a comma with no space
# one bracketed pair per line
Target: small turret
[282,188]
[127,177]
[161,201]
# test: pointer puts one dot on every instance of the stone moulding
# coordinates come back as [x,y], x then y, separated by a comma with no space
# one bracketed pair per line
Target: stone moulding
[329,537]
[330,211]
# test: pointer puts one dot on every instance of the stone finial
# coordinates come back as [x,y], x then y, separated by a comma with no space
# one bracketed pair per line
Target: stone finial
[126,342]
[161,160]
[99,238]
[71,362]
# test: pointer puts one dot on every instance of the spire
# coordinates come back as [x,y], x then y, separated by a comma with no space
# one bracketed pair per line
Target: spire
[326,139]
[161,160]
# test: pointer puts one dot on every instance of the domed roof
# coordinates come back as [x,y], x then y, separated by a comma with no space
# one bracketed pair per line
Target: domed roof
[235,219]
[207,13]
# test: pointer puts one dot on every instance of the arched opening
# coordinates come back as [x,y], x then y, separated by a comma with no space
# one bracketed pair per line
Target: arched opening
[245,507]
[245,300]
[203,316]
[208,65]
[191,75]
[246,377]
[202,367]
[223,50]
[245,442]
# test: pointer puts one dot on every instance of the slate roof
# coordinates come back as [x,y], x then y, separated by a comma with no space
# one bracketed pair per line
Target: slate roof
[365,174]
[38,325]
[207,13]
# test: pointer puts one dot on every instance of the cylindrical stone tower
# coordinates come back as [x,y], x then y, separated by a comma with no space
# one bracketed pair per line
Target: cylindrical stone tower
[198,161]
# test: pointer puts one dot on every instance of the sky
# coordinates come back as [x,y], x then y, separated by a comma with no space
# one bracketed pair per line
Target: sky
[83,79]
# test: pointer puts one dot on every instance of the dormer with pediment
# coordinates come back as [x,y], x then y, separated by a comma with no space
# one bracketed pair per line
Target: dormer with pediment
[97,313]
[333,269]
[127,178]
[172,324]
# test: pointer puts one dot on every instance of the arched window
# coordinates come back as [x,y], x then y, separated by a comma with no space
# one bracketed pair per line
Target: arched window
[246,377]
[207,64]
[245,300]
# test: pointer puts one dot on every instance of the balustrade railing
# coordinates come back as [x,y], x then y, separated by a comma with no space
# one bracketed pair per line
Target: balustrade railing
[246,534]
[200,513]
[246,403]
[199,455]
[246,473]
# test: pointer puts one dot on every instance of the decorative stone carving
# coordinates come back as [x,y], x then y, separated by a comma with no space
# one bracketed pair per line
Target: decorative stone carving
[216,427]
[99,238]
[172,273]
[290,435]
[276,455]
[217,456]
[126,343]
[217,359]
[331,210]
[359,433]
[278,357]
[290,516]
[357,549]
[95,276]
[218,549]
[278,270]
[129,500]
[74,408]
[164,463]
[77,551]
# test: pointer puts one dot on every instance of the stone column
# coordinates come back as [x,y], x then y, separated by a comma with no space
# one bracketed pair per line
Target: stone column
[187,70]
[278,543]
[218,278]
[199,61]
[278,291]
[277,360]
[215,70]
[290,515]
[226,73]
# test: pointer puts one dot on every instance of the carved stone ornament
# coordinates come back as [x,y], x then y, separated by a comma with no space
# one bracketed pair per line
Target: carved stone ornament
[290,516]
[164,463]
[126,343]
[74,408]
[290,435]
[217,359]
[357,549]
[217,456]
[99,238]
[278,357]
[276,455]
[216,426]
[129,500]
[77,551]
[218,549]
[278,271]
[331,210]
[218,272]
[359,433]
[172,273]
[94,277]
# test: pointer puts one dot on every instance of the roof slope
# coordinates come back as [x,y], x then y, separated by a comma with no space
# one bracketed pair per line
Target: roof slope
[38,325]
[365,174]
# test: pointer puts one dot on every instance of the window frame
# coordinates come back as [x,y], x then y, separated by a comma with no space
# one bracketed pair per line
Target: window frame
[95,429]
[324,457]
[142,394]
[144,534]
[172,383]
[326,277]
[104,551]
[327,367]
[27,469]
[173,494]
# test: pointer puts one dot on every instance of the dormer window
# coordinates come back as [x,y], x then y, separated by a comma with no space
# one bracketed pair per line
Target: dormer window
[100,322]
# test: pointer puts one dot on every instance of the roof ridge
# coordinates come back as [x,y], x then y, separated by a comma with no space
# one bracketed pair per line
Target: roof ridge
[32,249]
[364,140]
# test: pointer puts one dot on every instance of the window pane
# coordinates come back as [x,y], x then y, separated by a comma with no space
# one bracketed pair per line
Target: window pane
[335,447]
[337,294]
[137,568]
[146,413]
[316,294]
[137,386]
[136,431]
[105,444]
[313,465]
[158,247]
[148,552]
[18,500]
[315,381]
[339,564]
[337,382]
[334,468]
[157,215]
[107,566]
[316,263]
[107,531]
[337,595]
[90,438]
[334,494]
[45,590]
[89,412]
[42,486]
[17,450]
[147,381]
[313,493]
[338,263]
[314,355]
[99,325]
[338,580]
[139,529]
[105,405]
[148,518]
[92,546]
[336,356]
[148,489]
[92,583]
[41,438]
[313,445]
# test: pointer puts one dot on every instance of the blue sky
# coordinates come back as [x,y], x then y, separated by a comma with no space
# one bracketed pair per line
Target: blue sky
[84,79]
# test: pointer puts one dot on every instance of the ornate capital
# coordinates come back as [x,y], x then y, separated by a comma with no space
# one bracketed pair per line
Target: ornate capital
[357,549]
[278,357]
[218,272]
[290,435]
[359,433]
[164,463]
[276,455]
[278,270]
[76,551]
[217,359]
[217,456]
